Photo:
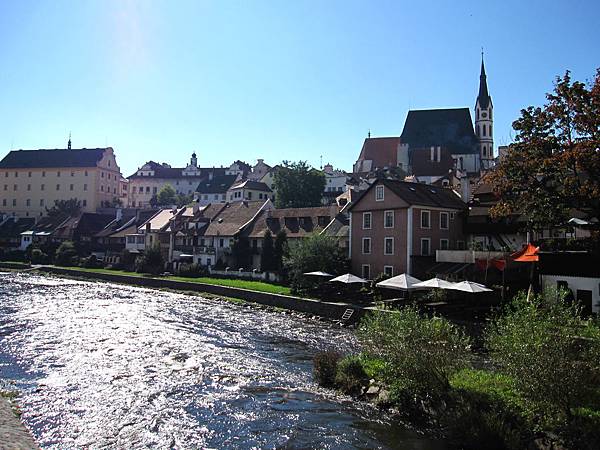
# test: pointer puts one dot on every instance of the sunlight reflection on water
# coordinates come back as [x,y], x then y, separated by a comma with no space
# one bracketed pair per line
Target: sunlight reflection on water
[101,365]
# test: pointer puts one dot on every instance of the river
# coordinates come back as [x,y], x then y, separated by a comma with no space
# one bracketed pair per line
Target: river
[102,365]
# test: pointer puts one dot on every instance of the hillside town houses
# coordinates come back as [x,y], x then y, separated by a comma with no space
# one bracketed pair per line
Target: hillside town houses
[416,203]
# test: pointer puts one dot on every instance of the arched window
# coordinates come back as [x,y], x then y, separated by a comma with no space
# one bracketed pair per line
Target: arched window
[477,130]
[490,113]
[477,113]
[483,134]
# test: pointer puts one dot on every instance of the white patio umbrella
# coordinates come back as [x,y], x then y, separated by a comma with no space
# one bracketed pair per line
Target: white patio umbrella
[434,283]
[348,278]
[402,282]
[470,286]
[318,274]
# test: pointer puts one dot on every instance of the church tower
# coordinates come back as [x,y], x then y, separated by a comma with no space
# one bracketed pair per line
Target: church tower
[484,122]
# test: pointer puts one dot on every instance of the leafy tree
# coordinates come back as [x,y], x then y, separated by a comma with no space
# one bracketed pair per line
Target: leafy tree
[241,252]
[183,200]
[153,201]
[551,353]
[151,261]
[70,207]
[279,249]
[554,164]
[166,196]
[420,353]
[268,261]
[66,254]
[297,185]
[316,252]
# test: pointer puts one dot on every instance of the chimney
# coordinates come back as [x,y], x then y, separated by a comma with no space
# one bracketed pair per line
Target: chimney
[465,189]
[119,214]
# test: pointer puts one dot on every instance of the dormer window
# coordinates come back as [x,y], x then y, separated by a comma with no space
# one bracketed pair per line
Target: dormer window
[379,193]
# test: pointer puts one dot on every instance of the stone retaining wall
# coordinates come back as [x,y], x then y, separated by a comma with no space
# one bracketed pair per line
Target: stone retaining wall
[330,310]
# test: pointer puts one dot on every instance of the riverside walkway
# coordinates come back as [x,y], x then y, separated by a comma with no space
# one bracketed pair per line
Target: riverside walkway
[13,434]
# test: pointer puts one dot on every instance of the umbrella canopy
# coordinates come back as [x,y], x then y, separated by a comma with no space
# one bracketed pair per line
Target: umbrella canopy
[434,283]
[526,254]
[348,278]
[402,282]
[318,274]
[470,286]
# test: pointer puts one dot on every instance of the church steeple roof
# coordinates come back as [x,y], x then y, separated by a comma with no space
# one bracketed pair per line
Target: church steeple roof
[483,98]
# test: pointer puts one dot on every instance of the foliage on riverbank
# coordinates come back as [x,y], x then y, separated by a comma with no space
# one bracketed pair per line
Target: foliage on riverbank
[544,381]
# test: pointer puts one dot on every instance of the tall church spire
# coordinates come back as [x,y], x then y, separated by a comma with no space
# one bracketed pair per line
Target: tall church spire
[484,97]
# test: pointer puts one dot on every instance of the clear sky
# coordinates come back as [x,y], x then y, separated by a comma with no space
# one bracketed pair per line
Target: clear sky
[276,79]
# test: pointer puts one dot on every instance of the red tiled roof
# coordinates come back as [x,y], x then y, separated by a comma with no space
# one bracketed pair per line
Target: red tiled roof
[383,151]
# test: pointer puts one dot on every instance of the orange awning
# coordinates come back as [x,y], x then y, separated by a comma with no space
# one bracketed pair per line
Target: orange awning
[526,254]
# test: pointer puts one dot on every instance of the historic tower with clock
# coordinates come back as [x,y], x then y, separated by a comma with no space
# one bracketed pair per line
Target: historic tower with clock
[484,122]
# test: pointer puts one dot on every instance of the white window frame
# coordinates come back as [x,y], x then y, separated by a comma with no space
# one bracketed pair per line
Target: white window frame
[370,215]
[379,189]
[362,248]
[447,241]
[391,274]
[385,213]
[443,213]
[426,211]
[385,239]
[428,245]
[368,275]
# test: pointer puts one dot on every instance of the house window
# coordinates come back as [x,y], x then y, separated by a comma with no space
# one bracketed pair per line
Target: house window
[71,187]
[28,202]
[221,242]
[14,202]
[425,246]
[366,246]
[42,202]
[147,189]
[6,187]
[84,203]
[366,271]
[101,174]
[388,271]
[58,187]
[85,173]
[443,221]
[28,187]
[379,193]
[85,187]
[132,189]
[15,187]
[102,188]
[388,221]
[451,216]
[43,173]
[42,187]
[16,174]
[29,174]
[388,247]
[72,173]
[367,221]
[460,245]
[444,244]
[154,189]
[425,219]
[58,174]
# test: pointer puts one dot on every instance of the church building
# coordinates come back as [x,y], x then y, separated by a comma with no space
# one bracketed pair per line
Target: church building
[435,142]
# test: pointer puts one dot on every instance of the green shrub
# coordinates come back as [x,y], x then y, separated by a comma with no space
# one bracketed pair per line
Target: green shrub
[91,262]
[39,257]
[191,270]
[127,260]
[550,352]
[421,353]
[151,261]
[66,254]
[325,367]
[350,375]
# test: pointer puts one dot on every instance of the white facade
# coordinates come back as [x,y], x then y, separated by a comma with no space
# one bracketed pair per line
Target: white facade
[576,285]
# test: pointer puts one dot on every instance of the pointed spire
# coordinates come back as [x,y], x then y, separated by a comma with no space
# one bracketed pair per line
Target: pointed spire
[484,97]
[69,143]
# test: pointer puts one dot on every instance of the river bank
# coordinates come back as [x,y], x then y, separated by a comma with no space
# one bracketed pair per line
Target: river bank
[13,434]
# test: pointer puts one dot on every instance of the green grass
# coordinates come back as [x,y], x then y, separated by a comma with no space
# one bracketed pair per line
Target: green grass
[259,286]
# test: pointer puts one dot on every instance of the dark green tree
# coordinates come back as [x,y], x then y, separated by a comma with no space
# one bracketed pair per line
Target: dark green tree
[66,254]
[280,249]
[70,207]
[183,200]
[241,252]
[166,196]
[268,262]
[316,252]
[297,185]
[151,261]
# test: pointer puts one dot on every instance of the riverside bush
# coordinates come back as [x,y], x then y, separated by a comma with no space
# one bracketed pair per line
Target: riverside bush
[420,352]
[350,375]
[325,367]
[66,254]
[150,262]
[551,353]
[191,270]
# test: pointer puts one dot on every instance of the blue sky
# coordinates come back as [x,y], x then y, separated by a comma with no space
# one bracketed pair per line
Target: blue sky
[275,79]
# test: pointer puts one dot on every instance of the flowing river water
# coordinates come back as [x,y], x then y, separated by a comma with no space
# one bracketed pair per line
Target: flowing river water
[102,365]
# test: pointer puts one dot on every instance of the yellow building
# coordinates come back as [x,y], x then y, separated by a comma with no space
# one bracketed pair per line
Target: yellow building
[32,180]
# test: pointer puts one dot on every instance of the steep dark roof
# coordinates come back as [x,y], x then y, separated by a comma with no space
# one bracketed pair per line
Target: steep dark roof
[218,185]
[419,194]
[161,171]
[13,226]
[483,98]
[383,151]
[296,222]
[451,128]
[83,157]
[251,184]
